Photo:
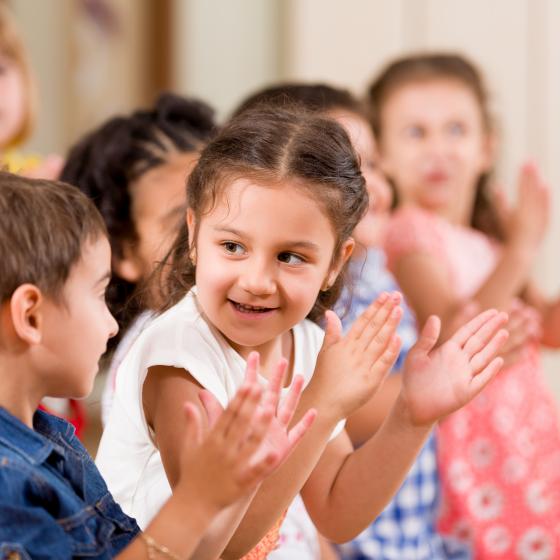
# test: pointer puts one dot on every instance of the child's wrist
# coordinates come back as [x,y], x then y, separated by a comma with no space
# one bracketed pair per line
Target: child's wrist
[196,503]
[328,413]
[402,415]
[523,248]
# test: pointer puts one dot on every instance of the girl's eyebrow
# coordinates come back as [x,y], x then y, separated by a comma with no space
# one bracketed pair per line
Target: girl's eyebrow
[309,245]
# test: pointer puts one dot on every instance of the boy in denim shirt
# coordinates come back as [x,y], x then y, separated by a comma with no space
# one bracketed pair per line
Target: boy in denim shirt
[54,326]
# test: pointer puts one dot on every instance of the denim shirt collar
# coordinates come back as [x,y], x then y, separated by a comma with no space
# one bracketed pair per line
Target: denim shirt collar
[35,446]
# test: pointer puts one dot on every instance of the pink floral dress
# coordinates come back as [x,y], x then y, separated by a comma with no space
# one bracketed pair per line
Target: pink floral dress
[499,456]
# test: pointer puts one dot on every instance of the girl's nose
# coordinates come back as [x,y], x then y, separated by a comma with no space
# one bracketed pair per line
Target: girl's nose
[257,278]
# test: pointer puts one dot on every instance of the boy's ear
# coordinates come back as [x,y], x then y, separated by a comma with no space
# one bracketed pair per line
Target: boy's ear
[26,307]
[191,222]
[345,253]
[128,267]
[191,228]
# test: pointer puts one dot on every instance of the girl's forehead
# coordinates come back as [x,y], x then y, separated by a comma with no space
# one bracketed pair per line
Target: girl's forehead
[447,89]
[251,201]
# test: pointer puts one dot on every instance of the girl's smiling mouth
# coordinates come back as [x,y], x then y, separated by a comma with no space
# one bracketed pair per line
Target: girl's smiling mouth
[251,309]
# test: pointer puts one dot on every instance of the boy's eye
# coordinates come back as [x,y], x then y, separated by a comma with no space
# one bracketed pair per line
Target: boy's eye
[233,248]
[290,258]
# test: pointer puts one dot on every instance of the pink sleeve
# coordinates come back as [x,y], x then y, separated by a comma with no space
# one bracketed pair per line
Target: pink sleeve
[411,230]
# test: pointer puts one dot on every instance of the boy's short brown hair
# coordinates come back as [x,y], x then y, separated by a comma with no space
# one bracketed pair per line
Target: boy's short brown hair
[43,227]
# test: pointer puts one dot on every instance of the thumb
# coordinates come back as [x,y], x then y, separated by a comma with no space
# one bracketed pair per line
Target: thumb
[211,405]
[429,335]
[193,428]
[333,329]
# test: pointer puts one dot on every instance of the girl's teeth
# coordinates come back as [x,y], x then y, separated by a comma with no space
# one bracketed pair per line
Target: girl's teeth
[250,308]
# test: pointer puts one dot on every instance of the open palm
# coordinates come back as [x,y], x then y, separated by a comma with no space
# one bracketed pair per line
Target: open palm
[438,382]
[279,440]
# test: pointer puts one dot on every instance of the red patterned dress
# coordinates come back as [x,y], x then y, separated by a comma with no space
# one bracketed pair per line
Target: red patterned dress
[499,456]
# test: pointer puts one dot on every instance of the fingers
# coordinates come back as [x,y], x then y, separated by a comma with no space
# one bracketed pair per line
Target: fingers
[429,335]
[375,313]
[234,423]
[466,331]
[193,429]
[480,381]
[379,341]
[259,427]
[376,325]
[479,339]
[211,405]
[274,389]
[333,329]
[252,368]
[288,407]
[300,429]
[480,360]
[383,365]
[257,471]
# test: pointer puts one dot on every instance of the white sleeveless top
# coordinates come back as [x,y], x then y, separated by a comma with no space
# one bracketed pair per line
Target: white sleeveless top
[180,337]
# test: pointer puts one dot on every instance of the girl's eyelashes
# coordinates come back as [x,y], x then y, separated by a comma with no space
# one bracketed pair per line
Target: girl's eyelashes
[290,258]
[233,248]
[287,257]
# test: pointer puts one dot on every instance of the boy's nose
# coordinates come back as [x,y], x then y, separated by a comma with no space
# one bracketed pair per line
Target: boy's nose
[113,325]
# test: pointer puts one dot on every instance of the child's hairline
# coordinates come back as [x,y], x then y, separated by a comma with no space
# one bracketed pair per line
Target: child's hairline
[56,293]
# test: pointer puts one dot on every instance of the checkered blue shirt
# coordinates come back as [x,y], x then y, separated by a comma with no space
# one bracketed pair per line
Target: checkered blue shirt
[405,530]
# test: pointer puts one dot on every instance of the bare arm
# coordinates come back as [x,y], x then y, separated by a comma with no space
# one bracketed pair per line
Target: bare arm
[365,422]
[165,391]
[215,471]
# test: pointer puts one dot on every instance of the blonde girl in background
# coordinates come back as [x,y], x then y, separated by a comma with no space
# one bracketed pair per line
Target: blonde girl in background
[271,205]
[18,105]
[448,245]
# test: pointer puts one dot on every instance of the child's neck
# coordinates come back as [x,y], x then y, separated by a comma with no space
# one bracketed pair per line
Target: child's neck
[18,394]
[271,353]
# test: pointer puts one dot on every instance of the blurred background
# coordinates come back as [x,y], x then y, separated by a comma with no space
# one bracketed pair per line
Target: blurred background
[94,58]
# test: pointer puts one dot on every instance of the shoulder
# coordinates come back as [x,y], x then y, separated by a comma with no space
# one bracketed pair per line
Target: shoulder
[177,334]
[182,338]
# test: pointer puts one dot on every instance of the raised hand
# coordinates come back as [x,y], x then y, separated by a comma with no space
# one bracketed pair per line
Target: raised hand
[276,441]
[351,368]
[524,326]
[526,223]
[438,382]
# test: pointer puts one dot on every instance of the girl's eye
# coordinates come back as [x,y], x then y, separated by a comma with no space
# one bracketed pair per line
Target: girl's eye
[233,248]
[290,258]
[414,131]
[457,129]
